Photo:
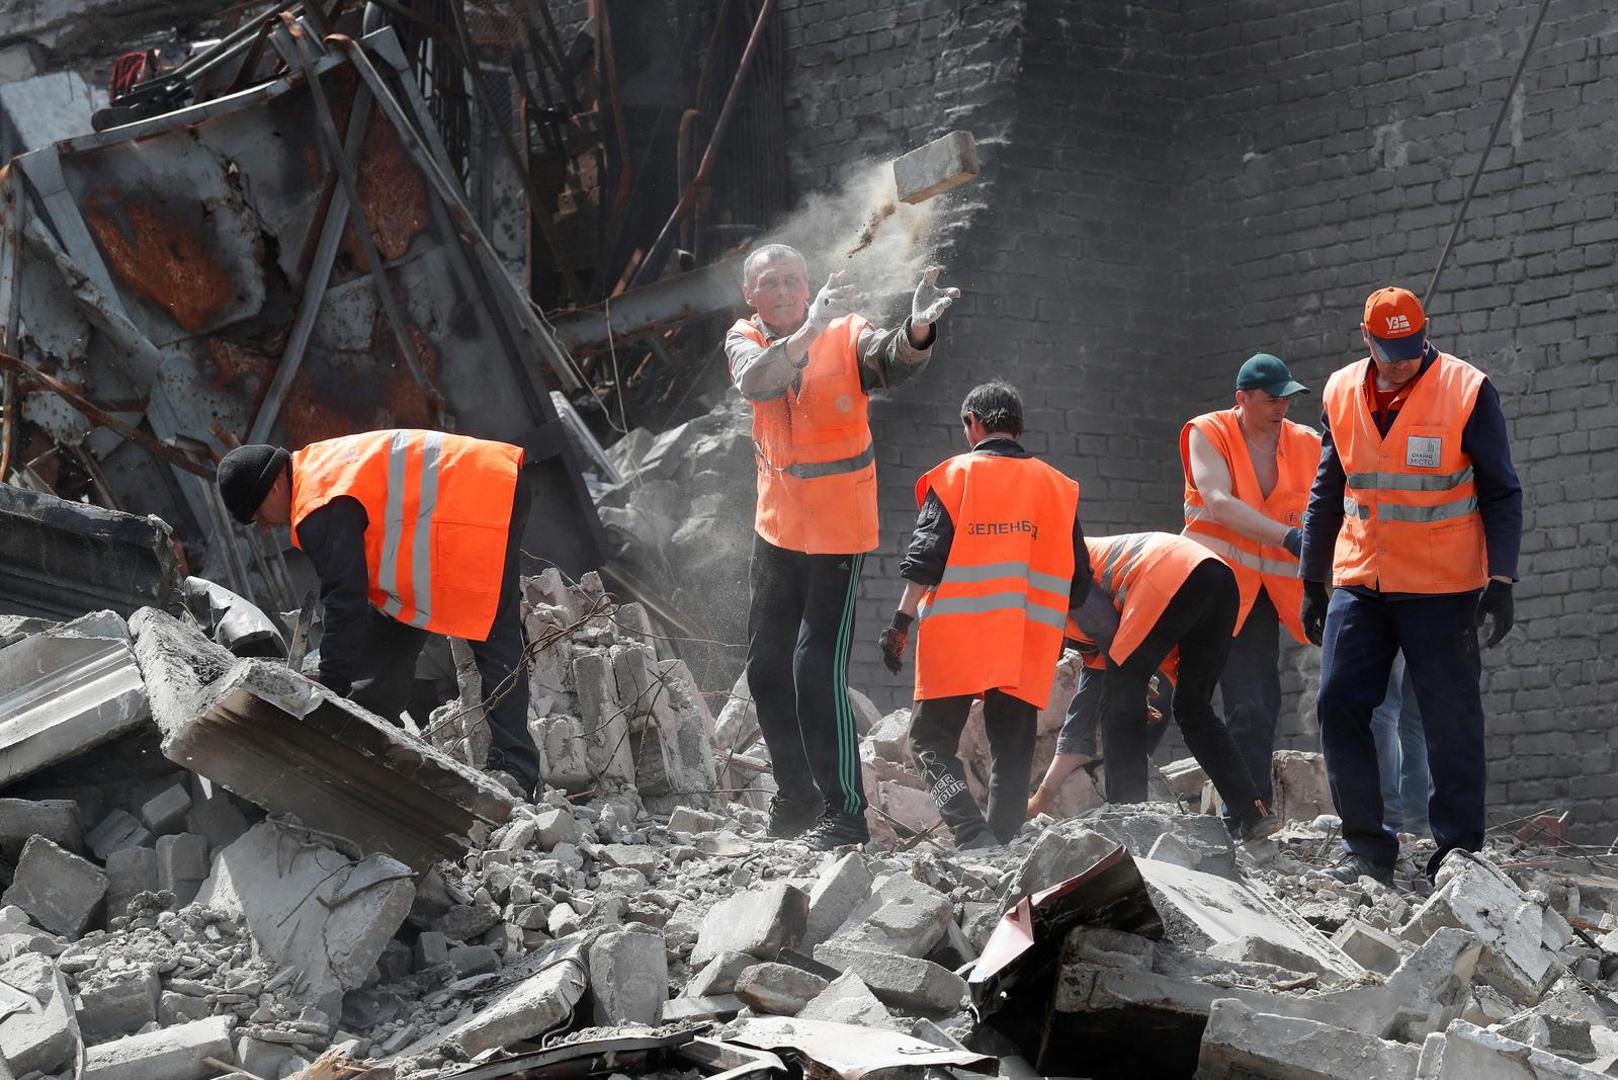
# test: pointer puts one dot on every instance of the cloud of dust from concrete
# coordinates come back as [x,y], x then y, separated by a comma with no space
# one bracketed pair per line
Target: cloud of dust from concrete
[861,228]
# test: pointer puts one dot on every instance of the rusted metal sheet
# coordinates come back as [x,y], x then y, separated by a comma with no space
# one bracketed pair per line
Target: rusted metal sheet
[166,263]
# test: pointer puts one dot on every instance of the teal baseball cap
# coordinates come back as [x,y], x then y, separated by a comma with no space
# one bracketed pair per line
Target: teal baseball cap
[1268,373]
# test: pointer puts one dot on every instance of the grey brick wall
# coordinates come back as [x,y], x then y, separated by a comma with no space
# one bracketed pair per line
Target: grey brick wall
[1171,186]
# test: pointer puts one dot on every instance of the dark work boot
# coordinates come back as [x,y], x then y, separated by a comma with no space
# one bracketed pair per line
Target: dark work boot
[837,828]
[1351,867]
[976,840]
[790,819]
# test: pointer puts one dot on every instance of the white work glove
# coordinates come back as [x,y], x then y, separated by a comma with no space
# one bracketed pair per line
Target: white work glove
[834,300]
[930,302]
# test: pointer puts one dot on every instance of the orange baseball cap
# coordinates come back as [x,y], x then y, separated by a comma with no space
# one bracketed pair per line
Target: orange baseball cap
[1393,317]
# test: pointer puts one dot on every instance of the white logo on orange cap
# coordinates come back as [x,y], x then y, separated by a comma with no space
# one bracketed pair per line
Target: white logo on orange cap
[1398,323]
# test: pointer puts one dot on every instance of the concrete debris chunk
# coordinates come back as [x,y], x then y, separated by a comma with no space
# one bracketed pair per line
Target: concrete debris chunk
[1063,851]
[1302,792]
[847,1000]
[759,921]
[841,887]
[122,1005]
[718,976]
[311,908]
[38,1028]
[1467,1052]
[165,812]
[1476,896]
[780,989]
[901,916]
[172,1053]
[66,691]
[1373,949]
[182,865]
[60,891]
[130,872]
[1240,1044]
[57,820]
[904,982]
[534,1006]
[278,740]
[629,977]
[118,831]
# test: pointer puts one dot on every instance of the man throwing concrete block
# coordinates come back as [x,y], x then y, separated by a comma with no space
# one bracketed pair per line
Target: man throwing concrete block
[411,533]
[808,370]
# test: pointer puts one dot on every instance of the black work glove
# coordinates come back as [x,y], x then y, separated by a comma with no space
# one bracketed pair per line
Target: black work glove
[1294,542]
[1315,599]
[893,641]
[1496,601]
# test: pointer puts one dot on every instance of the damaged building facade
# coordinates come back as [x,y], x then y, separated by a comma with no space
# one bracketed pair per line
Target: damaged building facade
[212,867]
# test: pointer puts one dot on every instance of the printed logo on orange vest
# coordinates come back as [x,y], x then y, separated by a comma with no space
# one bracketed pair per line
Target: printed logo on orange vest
[1002,528]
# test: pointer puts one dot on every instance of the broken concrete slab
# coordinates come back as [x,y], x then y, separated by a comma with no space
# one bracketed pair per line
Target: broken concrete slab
[1204,840]
[171,1053]
[947,162]
[119,1006]
[718,976]
[63,558]
[182,865]
[901,915]
[1302,792]
[629,977]
[1474,895]
[130,872]
[540,1003]
[841,887]
[847,1000]
[60,891]
[905,982]
[118,831]
[309,907]
[38,1029]
[1467,1052]
[1221,910]
[1240,1044]
[780,989]
[55,819]
[66,691]
[1373,949]
[1560,1035]
[1063,851]
[760,921]
[275,739]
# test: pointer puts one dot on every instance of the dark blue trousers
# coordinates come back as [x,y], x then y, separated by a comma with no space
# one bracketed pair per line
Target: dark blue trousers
[1438,636]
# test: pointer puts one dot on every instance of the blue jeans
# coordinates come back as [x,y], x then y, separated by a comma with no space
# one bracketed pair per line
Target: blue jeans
[1438,637]
[1401,754]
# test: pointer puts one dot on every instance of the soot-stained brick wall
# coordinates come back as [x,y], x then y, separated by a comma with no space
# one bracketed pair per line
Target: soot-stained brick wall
[1171,186]
[1328,146]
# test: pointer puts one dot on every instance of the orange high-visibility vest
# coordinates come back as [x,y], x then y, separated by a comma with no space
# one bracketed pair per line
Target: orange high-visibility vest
[995,620]
[816,461]
[438,509]
[1142,572]
[1410,505]
[1297,458]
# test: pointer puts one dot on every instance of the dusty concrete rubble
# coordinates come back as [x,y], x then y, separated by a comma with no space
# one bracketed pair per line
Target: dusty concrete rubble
[186,922]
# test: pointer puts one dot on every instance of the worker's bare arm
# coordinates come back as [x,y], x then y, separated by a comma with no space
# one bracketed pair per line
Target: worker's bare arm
[1212,478]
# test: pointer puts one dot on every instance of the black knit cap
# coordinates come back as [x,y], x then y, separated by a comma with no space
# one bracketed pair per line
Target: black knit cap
[246,475]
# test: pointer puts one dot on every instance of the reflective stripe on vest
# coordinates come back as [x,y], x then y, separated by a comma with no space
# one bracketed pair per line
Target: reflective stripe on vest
[1142,571]
[1233,554]
[995,619]
[815,470]
[394,528]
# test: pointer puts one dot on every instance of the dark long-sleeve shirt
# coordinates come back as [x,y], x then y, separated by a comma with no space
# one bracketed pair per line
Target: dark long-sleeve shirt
[334,539]
[930,543]
[1483,439]
[886,357]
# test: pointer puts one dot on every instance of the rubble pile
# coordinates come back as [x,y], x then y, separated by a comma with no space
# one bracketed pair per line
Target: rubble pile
[212,867]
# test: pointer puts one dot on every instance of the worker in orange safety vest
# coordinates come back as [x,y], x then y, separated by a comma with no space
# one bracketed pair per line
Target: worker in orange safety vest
[1416,518]
[1177,605]
[996,562]
[410,533]
[808,370]
[1247,475]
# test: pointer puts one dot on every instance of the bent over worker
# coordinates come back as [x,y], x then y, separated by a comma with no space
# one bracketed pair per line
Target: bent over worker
[1247,476]
[996,561]
[1177,604]
[808,370]
[1416,516]
[410,533]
